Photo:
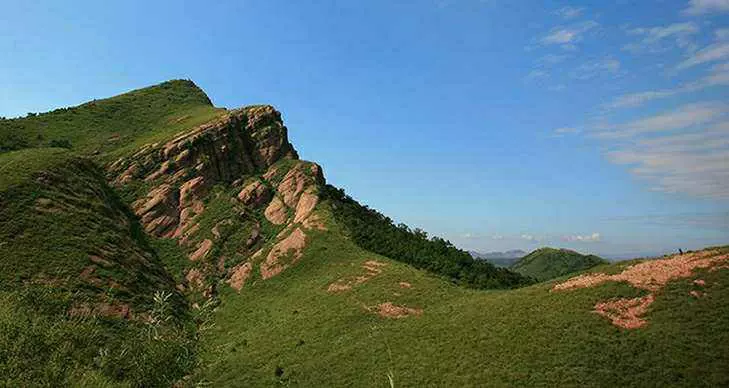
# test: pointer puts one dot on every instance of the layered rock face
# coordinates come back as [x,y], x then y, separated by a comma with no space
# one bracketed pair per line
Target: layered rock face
[243,160]
[244,142]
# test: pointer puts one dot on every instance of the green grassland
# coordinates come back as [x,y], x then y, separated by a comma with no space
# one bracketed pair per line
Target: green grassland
[476,325]
[59,219]
[291,331]
[102,126]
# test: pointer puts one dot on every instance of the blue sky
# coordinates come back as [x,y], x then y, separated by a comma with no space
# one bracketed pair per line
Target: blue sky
[593,125]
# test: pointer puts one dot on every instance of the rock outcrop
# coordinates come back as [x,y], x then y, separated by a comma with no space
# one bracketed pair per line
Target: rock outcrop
[244,142]
[247,150]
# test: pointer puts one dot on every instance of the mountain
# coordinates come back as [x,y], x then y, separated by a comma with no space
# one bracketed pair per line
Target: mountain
[163,241]
[500,259]
[548,263]
[511,254]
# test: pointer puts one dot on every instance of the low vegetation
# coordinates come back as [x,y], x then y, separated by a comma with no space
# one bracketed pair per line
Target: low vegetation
[87,298]
[549,263]
[84,298]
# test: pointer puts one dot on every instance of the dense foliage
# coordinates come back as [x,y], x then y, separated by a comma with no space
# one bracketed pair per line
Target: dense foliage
[377,233]
[549,263]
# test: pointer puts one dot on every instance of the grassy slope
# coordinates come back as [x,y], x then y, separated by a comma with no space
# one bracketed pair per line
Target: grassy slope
[549,263]
[121,122]
[55,212]
[289,330]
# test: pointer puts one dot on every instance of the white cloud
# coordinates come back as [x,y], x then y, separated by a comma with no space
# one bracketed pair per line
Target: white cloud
[567,36]
[596,68]
[637,99]
[699,7]
[569,12]
[530,238]
[566,130]
[718,75]
[552,59]
[536,74]
[686,116]
[594,237]
[712,53]
[654,38]
[721,34]
[695,162]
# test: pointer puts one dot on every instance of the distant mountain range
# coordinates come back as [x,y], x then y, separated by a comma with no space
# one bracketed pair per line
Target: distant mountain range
[512,254]
[500,259]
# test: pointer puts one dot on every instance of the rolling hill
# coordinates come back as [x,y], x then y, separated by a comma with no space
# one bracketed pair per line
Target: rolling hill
[549,263]
[190,245]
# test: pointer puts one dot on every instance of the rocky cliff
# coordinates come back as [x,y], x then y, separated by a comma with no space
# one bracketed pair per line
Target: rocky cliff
[232,193]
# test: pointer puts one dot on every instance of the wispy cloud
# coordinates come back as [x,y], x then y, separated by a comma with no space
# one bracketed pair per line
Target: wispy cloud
[715,221]
[721,34]
[569,12]
[686,116]
[536,74]
[530,238]
[594,237]
[552,59]
[699,7]
[655,39]
[695,163]
[711,53]
[566,131]
[596,68]
[718,75]
[567,36]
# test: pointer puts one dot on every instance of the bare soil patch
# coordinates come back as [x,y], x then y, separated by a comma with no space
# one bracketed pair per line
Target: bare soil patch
[389,310]
[649,275]
[625,313]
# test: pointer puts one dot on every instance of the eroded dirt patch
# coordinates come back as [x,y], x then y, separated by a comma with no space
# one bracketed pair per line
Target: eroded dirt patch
[373,268]
[649,275]
[390,310]
[625,313]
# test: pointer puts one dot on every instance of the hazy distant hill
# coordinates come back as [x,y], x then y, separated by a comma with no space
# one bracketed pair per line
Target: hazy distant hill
[500,259]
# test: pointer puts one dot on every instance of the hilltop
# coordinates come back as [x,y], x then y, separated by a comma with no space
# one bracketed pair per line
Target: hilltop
[549,263]
[177,242]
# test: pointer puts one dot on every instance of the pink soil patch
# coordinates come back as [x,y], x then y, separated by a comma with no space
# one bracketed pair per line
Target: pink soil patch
[696,294]
[649,275]
[626,313]
[389,310]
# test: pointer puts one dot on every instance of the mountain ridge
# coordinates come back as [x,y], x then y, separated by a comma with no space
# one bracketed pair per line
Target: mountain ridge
[272,276]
